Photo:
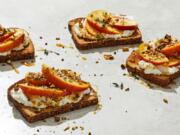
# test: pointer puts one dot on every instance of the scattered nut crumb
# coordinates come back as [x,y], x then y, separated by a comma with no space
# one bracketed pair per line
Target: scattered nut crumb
[165,100]
[122,86]
[98,107]
[123,66]
[125,49]
[62,59]
[67,128]
[83,58]
[82,128]
[127,89]
[108,57]
[74,128]
[60,45]
[57,38]
[115,85]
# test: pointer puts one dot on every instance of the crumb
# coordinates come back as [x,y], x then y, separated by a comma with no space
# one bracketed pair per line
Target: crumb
[46,43]
[123,66]
[97,62]
[115,84]
[101,74]
[46,52]
[74,128]
[65,27]
[98,107]
[60,45]
[122,86]
[83,58]
[56,119]
[125,49]
[70,46]
[110,98]
[67,128]
[108,57]
[127,89]
[82,128]
[89,133]
[41,37]
[114,53]
[62,59]
[124,74]
[165,100]
[57,38]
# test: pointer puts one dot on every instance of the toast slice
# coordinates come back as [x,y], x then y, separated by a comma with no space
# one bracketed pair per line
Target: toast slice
[27,53]
[33,115]
[161,80]
[84,44]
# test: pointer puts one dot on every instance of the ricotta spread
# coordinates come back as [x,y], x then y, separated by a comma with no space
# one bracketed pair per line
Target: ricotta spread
[41,102]
[149,68]
[81,32]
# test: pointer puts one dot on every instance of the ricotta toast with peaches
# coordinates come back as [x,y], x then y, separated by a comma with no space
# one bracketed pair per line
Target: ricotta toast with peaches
[15,44]
[51,92]
[157,61]
[101,29]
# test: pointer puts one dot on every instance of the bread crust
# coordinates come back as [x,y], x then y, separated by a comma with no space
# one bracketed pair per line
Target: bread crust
[161,80]
[84,44]
[33,115]
[27,53]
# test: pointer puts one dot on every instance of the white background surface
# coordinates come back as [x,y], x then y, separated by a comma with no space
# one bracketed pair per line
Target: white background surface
[146,114]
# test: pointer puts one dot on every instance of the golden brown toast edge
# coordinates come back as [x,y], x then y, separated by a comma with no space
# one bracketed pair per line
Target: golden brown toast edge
[33,115]
[161,80]
[83,44]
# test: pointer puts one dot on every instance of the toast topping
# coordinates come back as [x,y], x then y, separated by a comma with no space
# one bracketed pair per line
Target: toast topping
[149,68]
[52,87]
[64,79]
[152,56]
[159,57]
[168,45]
[100,25]
[12,39]
[41,102]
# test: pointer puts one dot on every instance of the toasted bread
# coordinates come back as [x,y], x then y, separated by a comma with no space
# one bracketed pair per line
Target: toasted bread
[161,80]
[84,44]
[27,53]
[33,115]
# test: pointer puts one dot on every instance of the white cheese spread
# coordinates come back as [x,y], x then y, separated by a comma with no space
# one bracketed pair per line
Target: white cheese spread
[149,68]
[41,102]
[81,32]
